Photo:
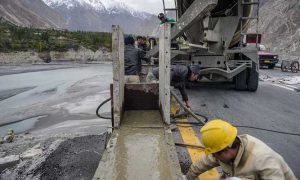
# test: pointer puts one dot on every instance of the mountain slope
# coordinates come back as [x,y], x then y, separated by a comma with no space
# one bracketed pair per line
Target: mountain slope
[100,15]
[30,13]
[280,25]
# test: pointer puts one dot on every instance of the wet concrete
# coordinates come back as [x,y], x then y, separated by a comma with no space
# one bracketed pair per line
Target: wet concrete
[151,118]
[139,150]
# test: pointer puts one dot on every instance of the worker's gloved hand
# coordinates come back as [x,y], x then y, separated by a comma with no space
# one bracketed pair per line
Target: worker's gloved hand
[184,177]
[187,104]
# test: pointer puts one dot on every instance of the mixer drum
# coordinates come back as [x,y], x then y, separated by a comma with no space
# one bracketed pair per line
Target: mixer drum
[223,8]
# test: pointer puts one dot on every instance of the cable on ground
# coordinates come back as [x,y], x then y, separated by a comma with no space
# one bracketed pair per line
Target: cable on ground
[193,124]
[98,108]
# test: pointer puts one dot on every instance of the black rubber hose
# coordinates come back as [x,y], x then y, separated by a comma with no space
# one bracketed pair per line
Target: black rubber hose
[193,124]
[98,108]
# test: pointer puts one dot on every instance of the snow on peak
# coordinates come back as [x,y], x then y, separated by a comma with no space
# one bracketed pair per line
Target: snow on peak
[94,4]
[118,6]
[111,6]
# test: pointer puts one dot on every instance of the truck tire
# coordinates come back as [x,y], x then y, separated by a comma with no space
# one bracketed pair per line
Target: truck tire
[272,66]
[295,67]
[253,78]
[241,81]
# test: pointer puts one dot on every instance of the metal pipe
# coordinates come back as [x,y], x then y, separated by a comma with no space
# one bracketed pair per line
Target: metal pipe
[189,145]
[187,109]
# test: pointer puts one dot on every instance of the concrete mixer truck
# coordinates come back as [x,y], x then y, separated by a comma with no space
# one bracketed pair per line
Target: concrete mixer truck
[216,31]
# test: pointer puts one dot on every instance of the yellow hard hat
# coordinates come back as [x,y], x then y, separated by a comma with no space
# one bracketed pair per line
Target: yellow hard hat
[217,135]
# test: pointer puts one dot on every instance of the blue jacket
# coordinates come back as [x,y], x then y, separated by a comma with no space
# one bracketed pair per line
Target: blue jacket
[133,60]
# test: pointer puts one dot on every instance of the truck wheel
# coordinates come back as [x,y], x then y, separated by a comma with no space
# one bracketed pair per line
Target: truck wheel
[271,66]
[241,81]
[295,67]
[253,78]
[284,68]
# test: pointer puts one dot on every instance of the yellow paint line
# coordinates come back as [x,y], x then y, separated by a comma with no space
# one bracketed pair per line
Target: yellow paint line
[189,137]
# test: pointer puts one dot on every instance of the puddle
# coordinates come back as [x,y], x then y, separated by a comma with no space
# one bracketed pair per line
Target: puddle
[12,92]
[20,126]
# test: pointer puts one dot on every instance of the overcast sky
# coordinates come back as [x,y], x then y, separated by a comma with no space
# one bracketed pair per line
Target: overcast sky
[150,6]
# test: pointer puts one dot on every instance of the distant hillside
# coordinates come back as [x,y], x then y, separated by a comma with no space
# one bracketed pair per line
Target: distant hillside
[280,25]
[14,38]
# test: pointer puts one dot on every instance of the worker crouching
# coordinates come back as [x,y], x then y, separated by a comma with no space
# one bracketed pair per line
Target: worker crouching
[241,157]
[179,76]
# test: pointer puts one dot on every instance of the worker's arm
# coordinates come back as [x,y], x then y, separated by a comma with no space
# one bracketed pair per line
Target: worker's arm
[182,89]
[269,167]
[205,163]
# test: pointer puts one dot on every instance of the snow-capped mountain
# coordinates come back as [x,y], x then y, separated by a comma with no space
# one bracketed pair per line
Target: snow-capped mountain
[94,4]
[109,6]
[99,15]
[85,15]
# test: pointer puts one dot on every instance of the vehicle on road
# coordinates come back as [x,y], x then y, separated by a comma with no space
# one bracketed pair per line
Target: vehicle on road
[267,58]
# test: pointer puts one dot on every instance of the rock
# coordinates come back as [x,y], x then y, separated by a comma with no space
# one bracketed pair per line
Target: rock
[82,55]
[10,136]
[281,29]
[18,58]
[31,153]
[2,154]
[8,161]
[226,106]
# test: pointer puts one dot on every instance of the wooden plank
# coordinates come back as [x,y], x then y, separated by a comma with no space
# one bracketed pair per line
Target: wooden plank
[118,73]
[164,71]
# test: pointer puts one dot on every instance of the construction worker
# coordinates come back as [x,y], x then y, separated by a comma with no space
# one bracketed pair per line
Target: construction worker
[132,57]
[240,157]
[141,43]
[163,19]
[152,43]
[179,76]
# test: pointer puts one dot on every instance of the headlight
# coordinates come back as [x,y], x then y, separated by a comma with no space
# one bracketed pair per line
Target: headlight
[275,57]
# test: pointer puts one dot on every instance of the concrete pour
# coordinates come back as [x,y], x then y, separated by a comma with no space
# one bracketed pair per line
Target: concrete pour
[137,151]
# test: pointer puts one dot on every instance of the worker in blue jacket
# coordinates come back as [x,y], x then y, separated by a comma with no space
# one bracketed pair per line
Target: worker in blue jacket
[133,57]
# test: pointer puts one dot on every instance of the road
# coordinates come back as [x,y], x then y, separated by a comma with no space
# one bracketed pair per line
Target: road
[274,107]
[60,101]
